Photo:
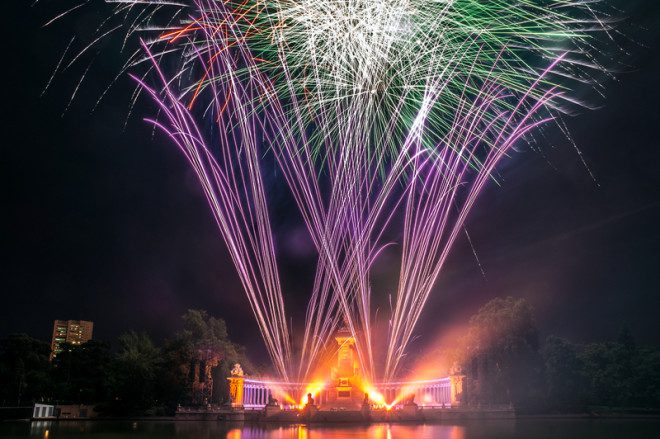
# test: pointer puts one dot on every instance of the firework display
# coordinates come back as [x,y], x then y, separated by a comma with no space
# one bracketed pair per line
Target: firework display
[373,109]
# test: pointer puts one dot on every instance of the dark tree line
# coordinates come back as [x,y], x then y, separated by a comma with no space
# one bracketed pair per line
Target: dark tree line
[503,355]
[506,362]
[137,378]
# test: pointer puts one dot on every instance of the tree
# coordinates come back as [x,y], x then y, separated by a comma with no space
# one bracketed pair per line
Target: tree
[620,374]
[173,384]
[202,331]
[646,383]
[80,372]
[24,370]
[564,378]
[133,374]
[501,351]
[207,336]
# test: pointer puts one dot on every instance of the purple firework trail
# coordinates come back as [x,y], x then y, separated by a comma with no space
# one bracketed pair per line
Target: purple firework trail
[435,180]
[406,111]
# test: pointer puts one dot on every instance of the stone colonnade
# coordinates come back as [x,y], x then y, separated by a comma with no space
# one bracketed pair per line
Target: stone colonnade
[433,393]
[442,392]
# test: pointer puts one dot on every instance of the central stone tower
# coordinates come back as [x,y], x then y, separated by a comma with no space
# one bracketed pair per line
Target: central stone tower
[345,390]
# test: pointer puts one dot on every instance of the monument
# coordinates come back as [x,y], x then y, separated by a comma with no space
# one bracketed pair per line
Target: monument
[236,386]
[345,385]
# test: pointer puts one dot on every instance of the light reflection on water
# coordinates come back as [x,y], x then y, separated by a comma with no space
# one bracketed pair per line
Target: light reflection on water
[378,431]
[502,429]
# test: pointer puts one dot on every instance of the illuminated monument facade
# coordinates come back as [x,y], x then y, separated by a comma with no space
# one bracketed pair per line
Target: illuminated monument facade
[344,389]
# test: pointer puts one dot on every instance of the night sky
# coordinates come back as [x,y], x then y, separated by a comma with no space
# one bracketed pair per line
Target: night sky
[105,223]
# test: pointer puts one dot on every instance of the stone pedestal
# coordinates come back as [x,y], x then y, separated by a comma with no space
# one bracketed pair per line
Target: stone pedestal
[309,412]
[236,415]
[366,411]
[272,411]
[409,411]
[236,391]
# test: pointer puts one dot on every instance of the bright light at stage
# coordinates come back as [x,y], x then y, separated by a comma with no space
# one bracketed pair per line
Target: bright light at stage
[375,397]
[427,399]
[315,388]
[283,396]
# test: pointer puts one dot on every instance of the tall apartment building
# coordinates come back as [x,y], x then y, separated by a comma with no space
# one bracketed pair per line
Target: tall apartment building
[69,331]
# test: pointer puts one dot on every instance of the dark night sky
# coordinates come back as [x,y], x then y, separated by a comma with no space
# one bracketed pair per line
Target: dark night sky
[108,224]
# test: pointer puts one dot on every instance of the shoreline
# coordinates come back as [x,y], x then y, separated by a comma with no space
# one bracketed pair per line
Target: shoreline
[452,420]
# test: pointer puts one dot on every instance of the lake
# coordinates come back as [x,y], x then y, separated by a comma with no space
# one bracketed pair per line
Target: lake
[504,429]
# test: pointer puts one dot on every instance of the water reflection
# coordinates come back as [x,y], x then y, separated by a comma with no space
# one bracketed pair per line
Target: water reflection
[504,429]
[264,431]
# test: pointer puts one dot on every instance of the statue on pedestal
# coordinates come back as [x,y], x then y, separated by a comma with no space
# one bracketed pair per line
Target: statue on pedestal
[237,370]
[236,386]
[365,402]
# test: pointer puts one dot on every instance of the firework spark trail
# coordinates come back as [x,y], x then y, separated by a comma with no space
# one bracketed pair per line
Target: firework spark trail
[244,100]
[213,201]
[311,206]
[367,105]
[316,224]
[364,230]
[431,229]
[347,143]
[344,195]
[234,190]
